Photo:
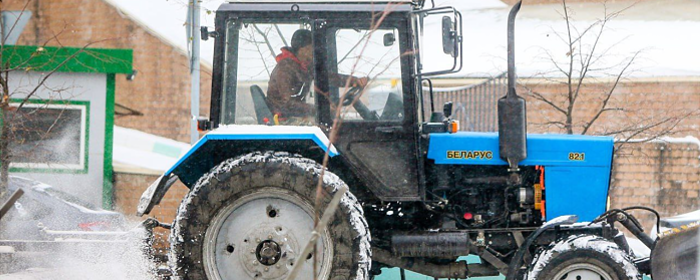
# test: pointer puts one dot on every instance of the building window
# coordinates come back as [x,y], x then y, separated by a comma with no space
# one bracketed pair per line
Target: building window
[50,137]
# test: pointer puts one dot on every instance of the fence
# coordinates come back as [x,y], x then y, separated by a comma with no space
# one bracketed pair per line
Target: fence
[474,106]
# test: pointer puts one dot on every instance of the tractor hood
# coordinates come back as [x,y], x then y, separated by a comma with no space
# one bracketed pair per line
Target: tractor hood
[481,148]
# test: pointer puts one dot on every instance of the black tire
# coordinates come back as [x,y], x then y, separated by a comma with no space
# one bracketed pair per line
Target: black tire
[583,255]
[258,173]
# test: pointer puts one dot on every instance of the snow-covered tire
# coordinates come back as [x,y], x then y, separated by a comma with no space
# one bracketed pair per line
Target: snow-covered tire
[583,257]
[282,181]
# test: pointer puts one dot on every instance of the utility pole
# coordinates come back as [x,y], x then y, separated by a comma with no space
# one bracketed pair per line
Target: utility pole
[193,36]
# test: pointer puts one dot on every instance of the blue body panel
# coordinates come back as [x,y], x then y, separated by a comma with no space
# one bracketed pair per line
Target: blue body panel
[577,168]
[208,137]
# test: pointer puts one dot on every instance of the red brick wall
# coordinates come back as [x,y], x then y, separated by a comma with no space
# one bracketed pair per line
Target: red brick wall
[161,90]
[641,101]
[664,176]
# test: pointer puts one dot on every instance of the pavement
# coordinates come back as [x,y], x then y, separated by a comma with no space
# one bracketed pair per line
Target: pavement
[91,272]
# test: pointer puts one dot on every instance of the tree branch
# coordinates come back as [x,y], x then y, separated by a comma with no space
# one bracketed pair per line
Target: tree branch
[608,95]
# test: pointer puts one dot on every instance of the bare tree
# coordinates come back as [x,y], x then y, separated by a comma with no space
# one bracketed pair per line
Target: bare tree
[587,60]
[338,110]
[12,99]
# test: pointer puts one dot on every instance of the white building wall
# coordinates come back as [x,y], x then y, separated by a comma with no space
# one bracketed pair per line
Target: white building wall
[73,87]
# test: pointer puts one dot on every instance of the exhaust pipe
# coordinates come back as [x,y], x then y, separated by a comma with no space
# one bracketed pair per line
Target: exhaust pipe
[512,119]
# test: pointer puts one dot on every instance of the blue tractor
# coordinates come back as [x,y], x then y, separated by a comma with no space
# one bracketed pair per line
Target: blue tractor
[425,192]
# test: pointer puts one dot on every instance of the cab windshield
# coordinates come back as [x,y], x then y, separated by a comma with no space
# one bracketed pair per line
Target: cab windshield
[270,74]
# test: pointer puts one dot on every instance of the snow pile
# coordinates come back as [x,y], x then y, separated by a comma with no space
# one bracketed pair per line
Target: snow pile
[123,257]
[65,237]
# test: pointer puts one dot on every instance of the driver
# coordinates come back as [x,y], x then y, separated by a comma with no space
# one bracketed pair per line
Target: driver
[291,78]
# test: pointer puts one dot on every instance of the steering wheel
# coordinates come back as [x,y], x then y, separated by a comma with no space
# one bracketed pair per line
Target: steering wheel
[360,107]
[350,95]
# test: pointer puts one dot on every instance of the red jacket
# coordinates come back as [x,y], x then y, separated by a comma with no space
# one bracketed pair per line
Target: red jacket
[289,83]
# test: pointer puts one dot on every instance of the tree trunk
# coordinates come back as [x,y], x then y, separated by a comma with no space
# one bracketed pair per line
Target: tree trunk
[5,155]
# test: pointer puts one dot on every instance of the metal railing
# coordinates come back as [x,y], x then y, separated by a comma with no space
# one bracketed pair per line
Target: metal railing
[474,105]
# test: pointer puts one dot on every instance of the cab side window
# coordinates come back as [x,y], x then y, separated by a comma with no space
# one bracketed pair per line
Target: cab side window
[254,50]
[371,54]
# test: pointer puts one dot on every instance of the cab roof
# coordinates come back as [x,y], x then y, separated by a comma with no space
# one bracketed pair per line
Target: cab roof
[321,1]
[317,5]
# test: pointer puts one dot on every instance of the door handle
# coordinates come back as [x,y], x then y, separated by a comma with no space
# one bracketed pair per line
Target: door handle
[388,129]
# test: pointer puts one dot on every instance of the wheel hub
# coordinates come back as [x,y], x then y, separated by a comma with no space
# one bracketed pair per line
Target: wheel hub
[268,252]
[260,237]
[583,271]
[269,249]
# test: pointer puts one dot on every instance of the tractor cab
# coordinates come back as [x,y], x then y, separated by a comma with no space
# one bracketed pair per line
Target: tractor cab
[364,69]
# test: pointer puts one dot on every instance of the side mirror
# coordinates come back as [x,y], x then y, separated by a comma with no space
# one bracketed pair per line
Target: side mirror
[389,39]
[447,109]
[205,34]
[449,36]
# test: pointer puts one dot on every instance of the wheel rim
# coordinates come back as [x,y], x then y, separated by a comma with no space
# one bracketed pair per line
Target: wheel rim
[583,271]
[261,235]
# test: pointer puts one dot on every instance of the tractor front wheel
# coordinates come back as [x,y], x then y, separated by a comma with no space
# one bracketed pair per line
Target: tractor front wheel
[583,257]
[250,218]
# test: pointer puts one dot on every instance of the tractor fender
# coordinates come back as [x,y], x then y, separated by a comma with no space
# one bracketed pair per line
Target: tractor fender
[230,141]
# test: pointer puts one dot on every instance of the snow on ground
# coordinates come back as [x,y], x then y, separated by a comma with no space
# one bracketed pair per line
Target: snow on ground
[667,43]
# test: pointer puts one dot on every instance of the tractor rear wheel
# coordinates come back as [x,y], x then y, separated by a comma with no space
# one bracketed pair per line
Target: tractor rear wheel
[583,257]
[250,218]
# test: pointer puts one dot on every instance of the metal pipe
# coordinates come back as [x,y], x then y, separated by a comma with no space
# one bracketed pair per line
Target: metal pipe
[516,262]
[193,10]
[430,88]
[445,244]
[512,112]
[636,230]
[511,47]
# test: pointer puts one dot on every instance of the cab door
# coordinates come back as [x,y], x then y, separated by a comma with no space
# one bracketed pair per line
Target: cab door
[377,134]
